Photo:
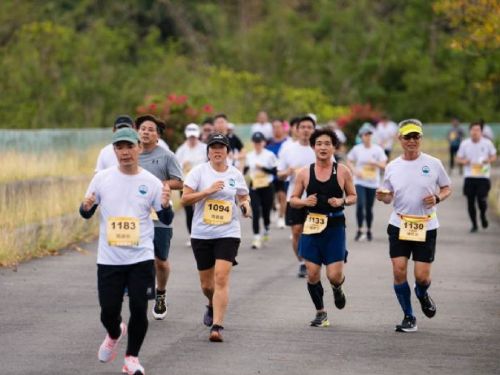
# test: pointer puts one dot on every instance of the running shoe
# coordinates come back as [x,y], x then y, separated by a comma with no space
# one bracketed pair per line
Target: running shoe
[321,320]
[256,243]
[108,349]
[409,324]
[208,317]
[216,333]
[281,223]
[359,234]
[160,306]
[302,271]
[369,236]
[428,306]
[338,297]
[188,243]
[484,221]
[131,366]
[265,237]
[473,229]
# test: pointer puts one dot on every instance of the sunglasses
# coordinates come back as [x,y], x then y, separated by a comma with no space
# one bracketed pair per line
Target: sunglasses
[415,136]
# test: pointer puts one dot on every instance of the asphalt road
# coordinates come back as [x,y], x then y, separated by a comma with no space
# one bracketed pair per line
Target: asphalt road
[49,315]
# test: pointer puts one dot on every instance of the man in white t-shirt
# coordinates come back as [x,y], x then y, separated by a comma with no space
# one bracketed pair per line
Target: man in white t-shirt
[415,183]
[476,155]
[385,134]
[107,157]
[293,158]
[263,125]
[126,195]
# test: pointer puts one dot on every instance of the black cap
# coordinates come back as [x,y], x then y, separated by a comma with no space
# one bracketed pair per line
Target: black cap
[217,138]
[258,137]
[123,121]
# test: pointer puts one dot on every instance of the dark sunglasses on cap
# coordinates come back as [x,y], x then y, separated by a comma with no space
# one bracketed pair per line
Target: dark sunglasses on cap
[415,136]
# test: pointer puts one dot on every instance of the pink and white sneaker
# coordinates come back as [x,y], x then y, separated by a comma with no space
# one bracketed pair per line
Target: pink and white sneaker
[108,349]
[131,366]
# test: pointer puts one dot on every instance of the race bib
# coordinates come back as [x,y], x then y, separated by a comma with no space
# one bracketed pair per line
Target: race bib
[369,172]
[153,215]
[260,180]
[413,228]
[186,168]
[123,231]
[315,223]
[216,212]
[478,170]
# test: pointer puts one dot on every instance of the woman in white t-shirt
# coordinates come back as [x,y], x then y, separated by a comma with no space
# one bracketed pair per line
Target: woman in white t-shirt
[190,154]
[366,160]
[262,167]
[214,188]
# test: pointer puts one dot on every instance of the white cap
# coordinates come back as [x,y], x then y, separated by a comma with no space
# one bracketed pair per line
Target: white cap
[230,125]
[192,130]
[313,116]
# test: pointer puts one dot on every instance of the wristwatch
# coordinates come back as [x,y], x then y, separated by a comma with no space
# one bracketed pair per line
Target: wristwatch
[437,198]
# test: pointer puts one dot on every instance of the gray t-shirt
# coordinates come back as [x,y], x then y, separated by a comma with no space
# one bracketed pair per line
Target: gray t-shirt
[164,165]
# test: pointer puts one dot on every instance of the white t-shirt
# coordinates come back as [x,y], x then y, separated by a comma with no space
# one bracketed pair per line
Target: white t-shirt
[163,144]
[202,177]
[266,129]
[265,159]
[107,158]
[361,155]
[476,153]
[190,157]
[295,156]
[290,141]
[385,134]
[122,195]
[411,181]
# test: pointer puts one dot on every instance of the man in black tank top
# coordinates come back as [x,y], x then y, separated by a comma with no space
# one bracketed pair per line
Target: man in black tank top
[329,188]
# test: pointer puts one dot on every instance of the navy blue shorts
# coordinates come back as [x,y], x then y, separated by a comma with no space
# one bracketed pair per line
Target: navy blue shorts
[161,242]
[324,248]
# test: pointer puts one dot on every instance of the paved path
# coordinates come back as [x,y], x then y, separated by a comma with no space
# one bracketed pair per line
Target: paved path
[49,317]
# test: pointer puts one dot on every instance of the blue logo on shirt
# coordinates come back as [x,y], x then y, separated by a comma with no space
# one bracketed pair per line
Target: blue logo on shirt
[143,189]
[426,170]
[232,182]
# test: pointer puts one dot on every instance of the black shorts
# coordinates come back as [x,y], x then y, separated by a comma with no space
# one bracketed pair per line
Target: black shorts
[420,251]
[477,186]
[207,251]
[161,242]
[138,278]
[295,216]
[279,185]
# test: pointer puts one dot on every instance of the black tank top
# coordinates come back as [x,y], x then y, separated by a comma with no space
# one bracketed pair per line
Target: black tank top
[324,191]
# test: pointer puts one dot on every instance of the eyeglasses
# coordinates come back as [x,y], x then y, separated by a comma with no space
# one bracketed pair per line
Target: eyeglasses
[415,136]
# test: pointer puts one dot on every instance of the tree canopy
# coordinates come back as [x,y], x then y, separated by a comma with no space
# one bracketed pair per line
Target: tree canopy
[66,63]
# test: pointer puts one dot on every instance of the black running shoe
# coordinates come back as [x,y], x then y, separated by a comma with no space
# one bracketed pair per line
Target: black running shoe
[302,271]
[160,306]
[338,297]
[428,306]
[473,229]
[216,333]
[484,221]
[358,235]
[409,324]
[369,236]
[208,317]
[321,320]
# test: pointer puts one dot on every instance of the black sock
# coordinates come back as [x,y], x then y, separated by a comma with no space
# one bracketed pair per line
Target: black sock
[316,293]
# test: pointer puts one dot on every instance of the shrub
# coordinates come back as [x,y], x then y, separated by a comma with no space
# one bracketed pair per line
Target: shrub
[359,114]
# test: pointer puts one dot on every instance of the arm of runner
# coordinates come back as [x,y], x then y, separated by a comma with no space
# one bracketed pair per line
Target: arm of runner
[88,206]
[432,200]
[190,196]
[349,190]
[175,184]
[295,199]
[244,204]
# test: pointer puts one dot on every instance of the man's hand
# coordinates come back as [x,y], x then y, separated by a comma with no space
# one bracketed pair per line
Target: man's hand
[165,195]
[384,195]
[88,202]
[429,201]
[216,186]
[336,202]
[311,200]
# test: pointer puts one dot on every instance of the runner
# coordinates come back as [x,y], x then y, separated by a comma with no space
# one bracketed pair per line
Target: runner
[125,253]
[213,188]
[297,155]
[261,164]
[207,128]
[107,156]
[476,154]
[190,154]
[162,164]
[455,136]
[366,160]
[279,139]
[385,134]
[263,125]
[416,182]
[323,241]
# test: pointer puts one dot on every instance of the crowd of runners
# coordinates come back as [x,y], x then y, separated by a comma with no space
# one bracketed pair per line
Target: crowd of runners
[297,174]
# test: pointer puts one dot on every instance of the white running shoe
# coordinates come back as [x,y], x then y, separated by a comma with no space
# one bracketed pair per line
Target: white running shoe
[131,366]
[280,223]
[188,243]
[108,349]
[256,243]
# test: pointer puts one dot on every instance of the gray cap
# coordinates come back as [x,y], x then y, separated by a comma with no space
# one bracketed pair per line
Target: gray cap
[127,135]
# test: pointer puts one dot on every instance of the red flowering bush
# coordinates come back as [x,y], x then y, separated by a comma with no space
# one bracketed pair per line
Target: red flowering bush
[358,114]
[176,111]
